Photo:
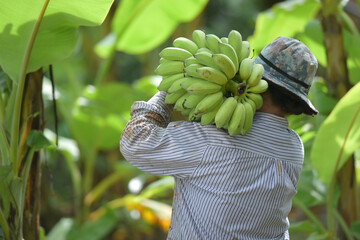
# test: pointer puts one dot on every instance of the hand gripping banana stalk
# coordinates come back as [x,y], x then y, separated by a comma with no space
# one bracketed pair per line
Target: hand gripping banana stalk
[212,80]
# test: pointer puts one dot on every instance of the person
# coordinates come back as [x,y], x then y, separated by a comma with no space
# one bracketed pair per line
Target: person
[227,187]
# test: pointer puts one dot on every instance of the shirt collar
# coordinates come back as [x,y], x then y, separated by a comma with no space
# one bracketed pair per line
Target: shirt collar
[271,118]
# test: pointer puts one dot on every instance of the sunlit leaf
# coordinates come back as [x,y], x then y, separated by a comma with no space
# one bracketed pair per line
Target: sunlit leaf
[94,230]
[311,190]
[320,97]
[313,38]
[57,35]
[303,226]
[339,135]
[61,229]
[147,85]
[42,234]
[351,45]
[100,115]
[283,19]
[139,26]
[318,236]
[37,140]
[158,188]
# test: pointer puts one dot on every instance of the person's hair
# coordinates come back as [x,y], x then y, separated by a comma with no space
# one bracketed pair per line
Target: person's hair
[289,103]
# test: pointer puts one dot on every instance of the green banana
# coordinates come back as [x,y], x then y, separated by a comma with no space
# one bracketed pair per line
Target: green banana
[171,98]
[229,51]
[192,100]
[186,44]
[176,87]
[198,37]
[186,111]
[225,112]
[205,49]
[249,116]
[203,88]
[191,70]
[257,98]
[252,103]
[168,80]
[205,58]
[190,60]
[237,120]
[162,60]
[212,75]
[225,64]
[256,74]
[168,68]
[245,69]
[235,40]
[224,40]
[261,87]
[179,106]
[175,54]
[209,117]
[193,117]
[245,50]
[212,42]
[208,103]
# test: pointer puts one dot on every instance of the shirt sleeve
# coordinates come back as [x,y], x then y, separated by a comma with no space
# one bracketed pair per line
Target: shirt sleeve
[155,146]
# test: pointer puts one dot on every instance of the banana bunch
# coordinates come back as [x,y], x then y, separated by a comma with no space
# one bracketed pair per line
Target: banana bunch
[212,80]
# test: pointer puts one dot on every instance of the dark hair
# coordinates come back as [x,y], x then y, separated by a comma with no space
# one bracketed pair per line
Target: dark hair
[289,103]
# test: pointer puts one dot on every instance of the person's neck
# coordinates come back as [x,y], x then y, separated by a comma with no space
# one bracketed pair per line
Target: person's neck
[269,107]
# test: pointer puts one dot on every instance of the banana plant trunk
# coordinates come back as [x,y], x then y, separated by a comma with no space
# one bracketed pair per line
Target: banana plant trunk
[32,108]
[338,84]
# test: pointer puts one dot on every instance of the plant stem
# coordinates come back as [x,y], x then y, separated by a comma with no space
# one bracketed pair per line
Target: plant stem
[114,204]
[76,179]
[4,147]
[20,89]
[309,214]
[4,225]
[89,162]
[2,108]
[97,191]
[25,176]
[330,207]
[343,225]
[349,23]
[104,67]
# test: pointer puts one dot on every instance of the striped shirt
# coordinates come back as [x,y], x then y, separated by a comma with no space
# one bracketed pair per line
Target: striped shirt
[226,188]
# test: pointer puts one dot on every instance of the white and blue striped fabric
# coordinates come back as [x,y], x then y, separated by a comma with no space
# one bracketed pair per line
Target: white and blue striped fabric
[226,188]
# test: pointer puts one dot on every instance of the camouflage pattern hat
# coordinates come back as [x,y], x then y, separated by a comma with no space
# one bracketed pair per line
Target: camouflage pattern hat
[288,63]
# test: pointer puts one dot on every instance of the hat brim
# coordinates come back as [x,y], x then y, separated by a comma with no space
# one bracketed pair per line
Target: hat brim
[281,81]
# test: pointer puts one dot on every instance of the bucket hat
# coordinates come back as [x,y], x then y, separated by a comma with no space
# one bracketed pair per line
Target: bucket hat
[289,64]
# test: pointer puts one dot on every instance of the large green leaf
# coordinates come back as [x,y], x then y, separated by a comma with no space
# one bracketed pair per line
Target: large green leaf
[310,190]
[283,19]
[339,135]
[100,115]
[57,34]
[37,140]
[61,229]
[139,26]
[351,45]
[94,230]
[313,38]
[320,98]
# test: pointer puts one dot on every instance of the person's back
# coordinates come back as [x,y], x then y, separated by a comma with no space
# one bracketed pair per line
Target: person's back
[230,187]
[243,185]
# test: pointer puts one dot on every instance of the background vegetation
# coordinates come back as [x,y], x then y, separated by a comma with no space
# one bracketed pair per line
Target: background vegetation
[71,70]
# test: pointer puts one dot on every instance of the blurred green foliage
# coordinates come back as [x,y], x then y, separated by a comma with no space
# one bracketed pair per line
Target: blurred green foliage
[89,191]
